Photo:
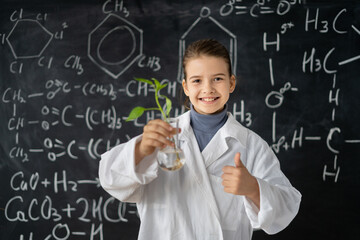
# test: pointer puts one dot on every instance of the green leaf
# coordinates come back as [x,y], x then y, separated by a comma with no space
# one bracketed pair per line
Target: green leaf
[144,80]
[162,86]
[135,113]
[168,105]
[157,84]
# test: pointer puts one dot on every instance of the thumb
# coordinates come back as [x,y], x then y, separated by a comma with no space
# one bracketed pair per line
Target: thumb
[238,162]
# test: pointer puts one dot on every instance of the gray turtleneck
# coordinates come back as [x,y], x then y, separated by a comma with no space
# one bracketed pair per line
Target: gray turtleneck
[205,126]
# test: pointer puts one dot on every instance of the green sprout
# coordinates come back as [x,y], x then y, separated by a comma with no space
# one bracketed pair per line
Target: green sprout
[137,112]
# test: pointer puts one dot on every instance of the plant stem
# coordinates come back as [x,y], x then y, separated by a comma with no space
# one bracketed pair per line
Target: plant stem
[158,103]
[149,109]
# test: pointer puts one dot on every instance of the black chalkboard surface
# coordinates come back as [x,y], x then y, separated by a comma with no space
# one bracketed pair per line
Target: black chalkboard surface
[67,85]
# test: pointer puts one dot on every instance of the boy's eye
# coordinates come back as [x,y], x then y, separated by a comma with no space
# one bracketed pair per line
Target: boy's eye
[196,81]
[217,79]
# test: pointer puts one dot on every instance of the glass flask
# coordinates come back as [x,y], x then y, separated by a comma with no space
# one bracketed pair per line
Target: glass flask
[171,158]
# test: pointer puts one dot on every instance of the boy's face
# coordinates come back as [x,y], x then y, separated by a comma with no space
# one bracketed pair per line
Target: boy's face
[208,84]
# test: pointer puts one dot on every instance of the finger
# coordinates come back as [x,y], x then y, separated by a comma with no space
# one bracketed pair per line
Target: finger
[227,177]
[156,140]
[226,183]
[229,190]
[228,169]
[170,127]
[238,162]
[159,128]
[161,122]
[157,124]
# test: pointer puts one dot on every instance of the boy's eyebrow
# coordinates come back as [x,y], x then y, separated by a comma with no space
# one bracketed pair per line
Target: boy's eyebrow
[216,74]
[195,76]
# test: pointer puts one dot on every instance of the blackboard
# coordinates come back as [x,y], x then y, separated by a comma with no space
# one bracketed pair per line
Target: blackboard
[67,85]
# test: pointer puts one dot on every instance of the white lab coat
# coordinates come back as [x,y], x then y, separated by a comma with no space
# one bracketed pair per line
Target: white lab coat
[191,204]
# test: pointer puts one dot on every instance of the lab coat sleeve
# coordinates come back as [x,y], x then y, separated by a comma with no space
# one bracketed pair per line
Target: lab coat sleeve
[120,177]
[279,200]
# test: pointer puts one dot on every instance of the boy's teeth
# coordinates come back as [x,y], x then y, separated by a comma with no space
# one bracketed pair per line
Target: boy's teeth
[208,99]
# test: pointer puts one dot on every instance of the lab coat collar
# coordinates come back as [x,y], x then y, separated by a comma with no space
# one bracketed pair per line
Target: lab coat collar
[218,145]
[233,129]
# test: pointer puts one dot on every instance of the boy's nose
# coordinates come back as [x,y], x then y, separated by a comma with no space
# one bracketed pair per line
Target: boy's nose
[208,87]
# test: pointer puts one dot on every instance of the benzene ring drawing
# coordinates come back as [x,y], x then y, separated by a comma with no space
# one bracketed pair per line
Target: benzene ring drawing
[28,39]
[114,45]
[210,28]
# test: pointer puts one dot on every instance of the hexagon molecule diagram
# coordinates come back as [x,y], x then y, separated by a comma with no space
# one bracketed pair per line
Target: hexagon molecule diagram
[205,26]
[28,39]
[114,45]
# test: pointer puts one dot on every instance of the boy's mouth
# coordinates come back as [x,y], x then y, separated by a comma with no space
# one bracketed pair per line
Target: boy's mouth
[209,99]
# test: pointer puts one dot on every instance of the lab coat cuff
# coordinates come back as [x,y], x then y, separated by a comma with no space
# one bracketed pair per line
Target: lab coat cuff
[146,170]
[260,218]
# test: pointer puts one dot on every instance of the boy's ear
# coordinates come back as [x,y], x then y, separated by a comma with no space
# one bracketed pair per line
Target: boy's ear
[186,91]
[232,83]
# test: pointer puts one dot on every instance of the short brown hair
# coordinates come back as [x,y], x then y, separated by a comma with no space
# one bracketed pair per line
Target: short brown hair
[207,47]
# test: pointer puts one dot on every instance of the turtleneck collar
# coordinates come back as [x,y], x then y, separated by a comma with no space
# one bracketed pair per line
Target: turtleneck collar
[207,123]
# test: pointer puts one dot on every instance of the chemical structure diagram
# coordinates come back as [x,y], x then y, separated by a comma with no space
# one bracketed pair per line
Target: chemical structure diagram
[311,63]
[25,29]
[231,44]
[114,45]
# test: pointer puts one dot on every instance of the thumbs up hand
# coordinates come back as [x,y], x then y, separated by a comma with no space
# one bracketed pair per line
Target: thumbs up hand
[237,180]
